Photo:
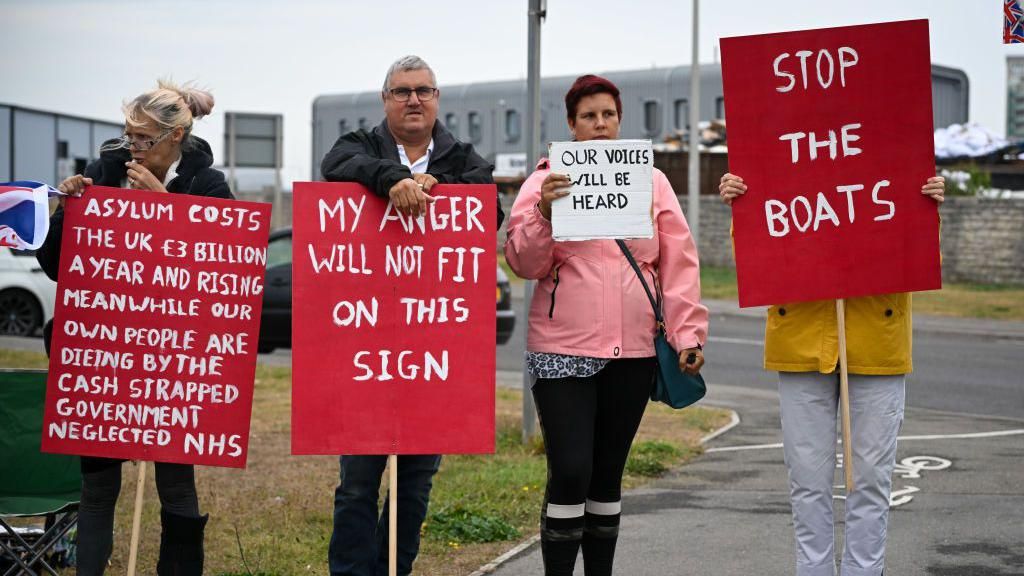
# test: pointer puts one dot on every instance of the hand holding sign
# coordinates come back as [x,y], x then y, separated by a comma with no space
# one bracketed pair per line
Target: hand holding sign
[409,197]
[935,188]
[73,186]
[555,186]
[730,188]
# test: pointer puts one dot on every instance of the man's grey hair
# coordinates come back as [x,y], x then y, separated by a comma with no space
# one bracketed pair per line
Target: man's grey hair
[407,64]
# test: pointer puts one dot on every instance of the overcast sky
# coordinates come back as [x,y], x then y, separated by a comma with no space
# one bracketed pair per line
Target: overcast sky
[86,57]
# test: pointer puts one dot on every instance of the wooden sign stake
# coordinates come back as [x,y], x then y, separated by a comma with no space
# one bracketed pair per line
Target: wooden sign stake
[140,486]
[393,515]
[844,395]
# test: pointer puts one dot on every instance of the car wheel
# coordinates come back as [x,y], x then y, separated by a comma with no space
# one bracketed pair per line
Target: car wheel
[20,314]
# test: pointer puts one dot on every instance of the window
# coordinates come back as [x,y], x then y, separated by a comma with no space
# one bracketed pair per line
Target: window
[682,114]
[343,127]
[279,251]
[513,126]
[476,128]
[652,121]
[720,107]
[451,122]
[363,124]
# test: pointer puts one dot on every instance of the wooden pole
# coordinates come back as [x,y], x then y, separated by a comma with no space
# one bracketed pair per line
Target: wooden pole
[393,515]
[140,486]
[844,395]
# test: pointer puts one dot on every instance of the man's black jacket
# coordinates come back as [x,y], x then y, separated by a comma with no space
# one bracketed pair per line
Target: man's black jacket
[371,159]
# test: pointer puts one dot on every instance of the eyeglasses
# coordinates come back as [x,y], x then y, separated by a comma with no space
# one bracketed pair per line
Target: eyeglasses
[131,142]
[423,93]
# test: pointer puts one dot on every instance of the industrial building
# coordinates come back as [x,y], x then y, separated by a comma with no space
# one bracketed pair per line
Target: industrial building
[48,146]
[491,115]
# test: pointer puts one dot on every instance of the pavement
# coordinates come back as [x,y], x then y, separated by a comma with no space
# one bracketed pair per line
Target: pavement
[957,505]
[957,502]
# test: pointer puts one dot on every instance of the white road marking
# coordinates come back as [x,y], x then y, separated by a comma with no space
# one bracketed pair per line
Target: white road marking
[901,497]
[911,467]
[740,448]
[998,433]
[734,421]
[1014,432]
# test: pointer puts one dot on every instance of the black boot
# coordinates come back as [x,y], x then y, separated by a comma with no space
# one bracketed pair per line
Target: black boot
[181,545]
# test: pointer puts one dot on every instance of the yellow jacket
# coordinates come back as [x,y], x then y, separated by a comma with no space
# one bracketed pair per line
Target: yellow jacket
[804,336]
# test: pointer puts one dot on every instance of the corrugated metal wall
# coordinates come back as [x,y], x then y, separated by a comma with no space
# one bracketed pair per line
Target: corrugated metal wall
[32,142]
[492,115]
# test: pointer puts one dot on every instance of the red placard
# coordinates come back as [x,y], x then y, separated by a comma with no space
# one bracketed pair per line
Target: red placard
[154,335]
[831,130]
[393,322]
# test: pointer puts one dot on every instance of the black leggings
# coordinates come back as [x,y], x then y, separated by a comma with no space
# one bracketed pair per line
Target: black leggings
[101,484]
[588,425]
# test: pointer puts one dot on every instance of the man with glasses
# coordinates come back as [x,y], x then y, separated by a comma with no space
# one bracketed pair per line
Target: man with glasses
[410,151]
[401,159]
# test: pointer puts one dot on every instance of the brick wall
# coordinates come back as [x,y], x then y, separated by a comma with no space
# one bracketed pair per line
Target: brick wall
[982,239]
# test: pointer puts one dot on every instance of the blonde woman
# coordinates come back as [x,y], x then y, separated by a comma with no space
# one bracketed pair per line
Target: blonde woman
[159,153]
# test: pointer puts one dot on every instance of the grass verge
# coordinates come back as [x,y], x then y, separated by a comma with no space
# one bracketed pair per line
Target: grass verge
[993,301]
[962,300]
[274,517]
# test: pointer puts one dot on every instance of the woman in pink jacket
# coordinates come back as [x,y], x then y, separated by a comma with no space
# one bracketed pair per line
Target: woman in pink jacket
[590,342]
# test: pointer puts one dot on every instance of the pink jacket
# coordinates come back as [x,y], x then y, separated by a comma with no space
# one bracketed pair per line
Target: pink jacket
[588,300]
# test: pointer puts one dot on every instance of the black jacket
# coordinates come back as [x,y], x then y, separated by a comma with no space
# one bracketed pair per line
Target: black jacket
[195,177]
[371,159]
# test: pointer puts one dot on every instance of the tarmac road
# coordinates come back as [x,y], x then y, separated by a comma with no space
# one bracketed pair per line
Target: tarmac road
[958,495]
[958,502]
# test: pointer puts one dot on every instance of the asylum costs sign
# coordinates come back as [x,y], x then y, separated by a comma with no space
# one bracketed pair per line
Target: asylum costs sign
[154,335]
[831,131]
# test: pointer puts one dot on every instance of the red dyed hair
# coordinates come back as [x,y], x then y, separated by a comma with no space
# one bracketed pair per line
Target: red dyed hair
[588,85]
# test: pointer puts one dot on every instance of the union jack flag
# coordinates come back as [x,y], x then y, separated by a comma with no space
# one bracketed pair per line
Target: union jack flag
[24,214]
[1013,22]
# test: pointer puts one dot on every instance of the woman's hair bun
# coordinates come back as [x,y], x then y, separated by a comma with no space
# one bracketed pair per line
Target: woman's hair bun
[199,102]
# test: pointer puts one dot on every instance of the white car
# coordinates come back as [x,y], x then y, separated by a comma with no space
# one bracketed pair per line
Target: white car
[27,296]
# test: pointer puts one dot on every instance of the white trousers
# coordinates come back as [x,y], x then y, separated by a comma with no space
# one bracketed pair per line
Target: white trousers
[809,404]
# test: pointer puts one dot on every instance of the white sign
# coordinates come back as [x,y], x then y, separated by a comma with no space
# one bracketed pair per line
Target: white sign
[510,165]
[612,189]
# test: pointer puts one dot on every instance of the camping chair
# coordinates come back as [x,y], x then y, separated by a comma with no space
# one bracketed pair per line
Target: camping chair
[31,483]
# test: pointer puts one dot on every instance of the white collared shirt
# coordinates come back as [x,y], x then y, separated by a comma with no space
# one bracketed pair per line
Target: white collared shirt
[420,166]
[172,172]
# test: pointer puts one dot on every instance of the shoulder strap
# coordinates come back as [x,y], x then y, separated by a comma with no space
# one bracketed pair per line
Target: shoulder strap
[640,275]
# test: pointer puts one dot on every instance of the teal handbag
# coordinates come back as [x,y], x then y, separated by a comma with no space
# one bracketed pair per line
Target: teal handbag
[672,386]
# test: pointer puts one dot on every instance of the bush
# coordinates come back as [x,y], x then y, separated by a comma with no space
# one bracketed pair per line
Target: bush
[651,458]
[464,525]
[966,180]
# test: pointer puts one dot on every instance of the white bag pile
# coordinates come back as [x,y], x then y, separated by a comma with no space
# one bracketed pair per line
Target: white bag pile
[971,140]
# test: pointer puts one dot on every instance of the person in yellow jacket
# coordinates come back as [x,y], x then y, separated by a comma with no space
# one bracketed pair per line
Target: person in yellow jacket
[802,344]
